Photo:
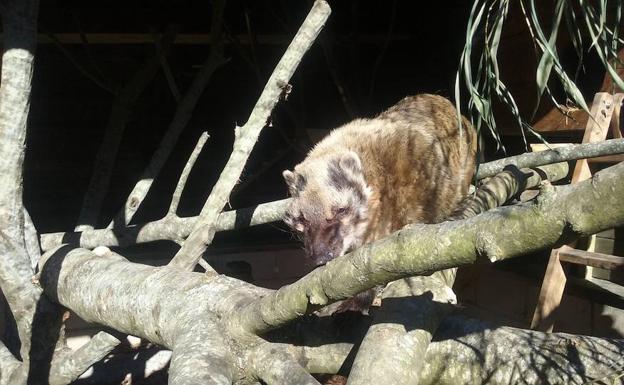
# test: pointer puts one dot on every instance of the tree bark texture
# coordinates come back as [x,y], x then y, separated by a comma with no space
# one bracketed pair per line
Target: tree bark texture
[167,305]
[41,355]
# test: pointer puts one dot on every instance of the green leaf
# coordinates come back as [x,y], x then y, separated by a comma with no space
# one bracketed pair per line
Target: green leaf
[547,60]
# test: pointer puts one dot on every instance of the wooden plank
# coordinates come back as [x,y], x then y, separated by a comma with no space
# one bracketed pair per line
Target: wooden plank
[197,38]
[596,131]
[554,279]
[616,130]
[550,295]
[610,234]
[588,258]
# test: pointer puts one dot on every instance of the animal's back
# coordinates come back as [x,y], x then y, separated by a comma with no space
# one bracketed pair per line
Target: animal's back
[415,158]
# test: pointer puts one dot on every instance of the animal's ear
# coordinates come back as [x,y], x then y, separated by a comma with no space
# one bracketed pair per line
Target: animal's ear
[351,161]
[289,177]
[295,182]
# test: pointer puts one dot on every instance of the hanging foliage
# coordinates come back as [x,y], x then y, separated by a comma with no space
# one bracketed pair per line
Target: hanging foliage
[590,26]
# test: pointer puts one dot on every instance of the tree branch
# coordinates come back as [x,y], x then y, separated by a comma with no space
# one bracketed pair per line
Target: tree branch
[19,42]
[172,299]
[200,355]
[413,308]
[105,158]
[31,240]
[72,366]
[469,351]
[177,229]
[556,155]
[164,64]
[148,302]
[182,116]
[168,228]
[246,137]
[394,347]
[559,213]
[97,80]
[177,194]
[8,365]
[277,367]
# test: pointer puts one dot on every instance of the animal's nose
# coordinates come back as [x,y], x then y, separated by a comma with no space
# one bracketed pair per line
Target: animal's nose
[322,258]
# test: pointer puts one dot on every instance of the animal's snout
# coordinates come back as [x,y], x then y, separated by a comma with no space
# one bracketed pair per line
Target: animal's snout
[319,253]
[322,259]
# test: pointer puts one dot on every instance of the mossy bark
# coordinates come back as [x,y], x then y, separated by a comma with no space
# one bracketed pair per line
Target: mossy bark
[216,320]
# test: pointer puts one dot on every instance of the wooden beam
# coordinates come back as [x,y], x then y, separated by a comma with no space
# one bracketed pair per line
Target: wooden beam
[551,292]
[550,295]
[197,38]
[589,258]
[596,131]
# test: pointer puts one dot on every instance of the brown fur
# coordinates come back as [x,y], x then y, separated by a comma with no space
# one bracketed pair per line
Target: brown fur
[370,177]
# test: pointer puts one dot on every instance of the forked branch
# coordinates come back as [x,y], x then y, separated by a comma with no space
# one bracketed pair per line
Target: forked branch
[246,136]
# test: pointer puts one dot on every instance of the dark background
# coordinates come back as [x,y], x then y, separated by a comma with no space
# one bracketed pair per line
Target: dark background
[378,51]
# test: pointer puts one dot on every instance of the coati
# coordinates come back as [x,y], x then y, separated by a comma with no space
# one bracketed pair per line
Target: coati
[370,177]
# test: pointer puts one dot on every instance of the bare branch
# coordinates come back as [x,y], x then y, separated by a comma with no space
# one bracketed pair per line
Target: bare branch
[19,42]
[468,351]
[394,347]
[559,213]
[246,137]
[559,154]
[177,194]
[183,114]
[82,69]
[175,91]
[412,308]
[182,299]
[176,229]
[277,367]
[74,278]
[343,91]
[168,228]
[201,355]
[16,283]
[105,158]
[72,366]
[31,240]
[8,365]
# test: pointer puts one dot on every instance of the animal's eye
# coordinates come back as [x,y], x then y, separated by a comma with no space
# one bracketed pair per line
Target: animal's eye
[341,211]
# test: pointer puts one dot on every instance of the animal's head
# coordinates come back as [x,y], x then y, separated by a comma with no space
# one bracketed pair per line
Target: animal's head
[329,208]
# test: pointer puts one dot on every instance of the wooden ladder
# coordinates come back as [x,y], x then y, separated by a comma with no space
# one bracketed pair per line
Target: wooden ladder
[606,116]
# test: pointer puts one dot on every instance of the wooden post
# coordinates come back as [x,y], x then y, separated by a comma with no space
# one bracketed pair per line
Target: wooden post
[550,294]
[551,291]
